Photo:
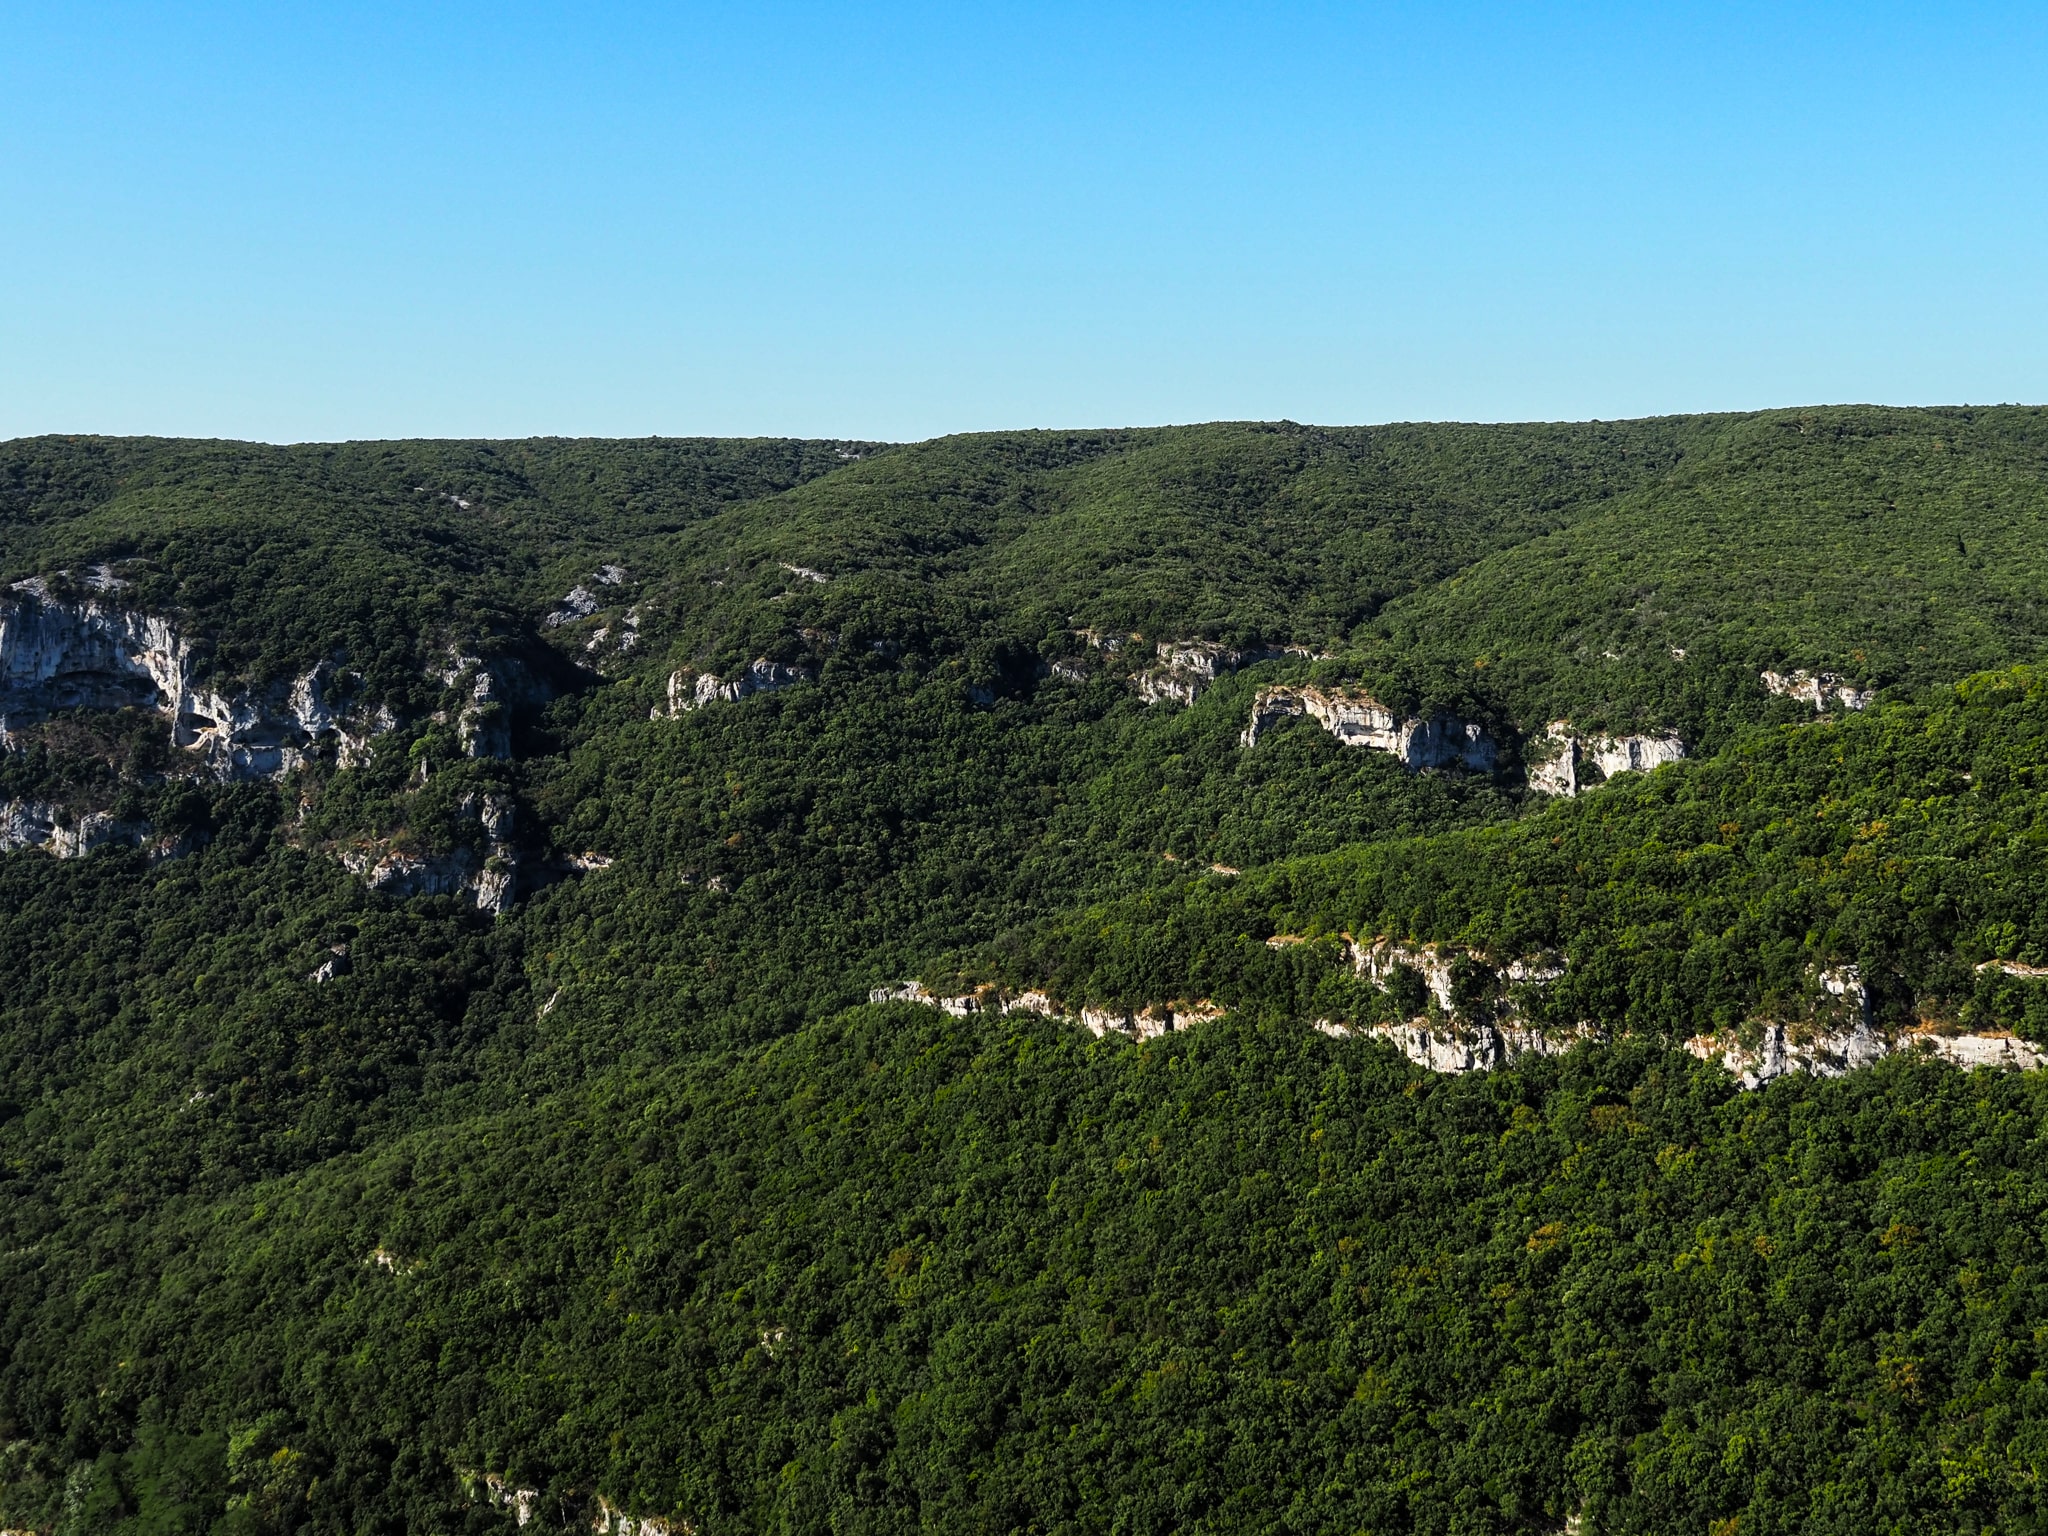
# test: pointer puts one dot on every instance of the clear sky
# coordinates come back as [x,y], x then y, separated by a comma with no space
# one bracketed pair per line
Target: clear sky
[312,221]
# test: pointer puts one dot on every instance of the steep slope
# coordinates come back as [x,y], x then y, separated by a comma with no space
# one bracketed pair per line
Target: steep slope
[1896,548]
[473,1084]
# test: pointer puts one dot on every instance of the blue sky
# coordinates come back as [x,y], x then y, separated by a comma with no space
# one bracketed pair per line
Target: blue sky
[291,222]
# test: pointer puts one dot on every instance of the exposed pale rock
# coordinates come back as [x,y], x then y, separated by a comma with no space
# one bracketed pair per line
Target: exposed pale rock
[336,964]
[1819,689]
[495,887]
[2014,968]
[959,1006]
[1991,1050]
[1358,719]
[1830,1053]
[690,689]
[1145,1023]
[1480,1048]
[1567,762]
[1187,667]
[806,573]
[496,1488]
[1163,685]
[1109,642]
[38,824]
[93,655]
[1152,1020]
[1379,961]
[580,603]
[490,876]
[495,687]
[610,1521]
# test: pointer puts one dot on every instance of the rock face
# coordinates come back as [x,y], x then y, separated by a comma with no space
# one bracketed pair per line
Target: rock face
[1144,1023]
[95,654]
[1566,762]
[333,968]
[490,875]
[1819,689]
[1478,1049]
[494,688]
[690,689]
[612,1521]
[1493,1034]
[1502,992]
[1830,1053]
[37,824]
[1186,667]
[1359,720]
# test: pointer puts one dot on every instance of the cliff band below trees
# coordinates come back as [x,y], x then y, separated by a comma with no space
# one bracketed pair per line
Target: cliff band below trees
[90,654]
[1359,720]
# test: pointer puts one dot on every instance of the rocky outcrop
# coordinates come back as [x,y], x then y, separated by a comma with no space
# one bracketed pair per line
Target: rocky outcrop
[1185,668]
[38,824]
[1502,990]
[499,1491]
[581,602]
[1381,960]
[92,653]
[1447,1048]
[690,689]
[489,875]
[491,690]
[1776,1052]
[1781,1049]
[1142,1023]
[333,968]
[1566,762]
[1150,1021]
[496,1489]
[986,999]
[1358,719]
[1820,689]
[612,1521]
[1493,1032]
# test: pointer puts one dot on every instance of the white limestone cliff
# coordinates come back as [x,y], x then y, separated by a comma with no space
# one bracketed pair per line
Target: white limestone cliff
[1358,719]
[1443,1040]
[489,690]
[690,689]
[1819,689]
[1186,668]
[92,653]
[1782,1049]
[496,1489]
[1565,762]
[490,875]
[1478,1048]
[1146,1022]
[38,824]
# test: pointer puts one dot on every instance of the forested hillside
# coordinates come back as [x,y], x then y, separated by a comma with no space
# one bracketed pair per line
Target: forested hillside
[444,885]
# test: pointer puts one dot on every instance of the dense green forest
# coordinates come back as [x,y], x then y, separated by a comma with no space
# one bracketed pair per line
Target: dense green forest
[476,1115]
